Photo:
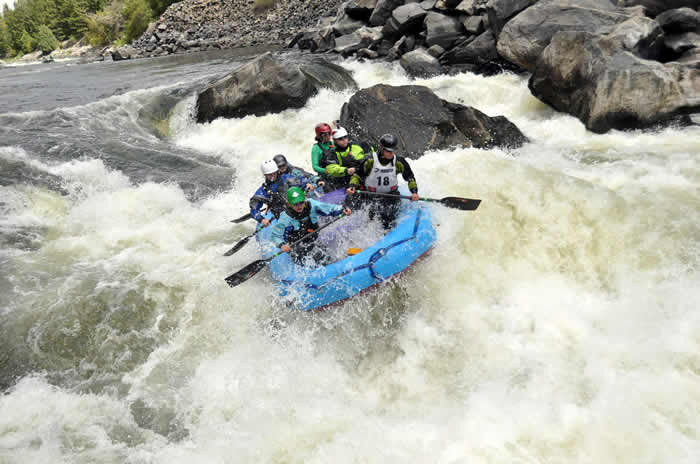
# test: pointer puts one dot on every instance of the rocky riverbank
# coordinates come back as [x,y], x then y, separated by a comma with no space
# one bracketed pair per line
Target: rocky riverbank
[614,64]
[196,25]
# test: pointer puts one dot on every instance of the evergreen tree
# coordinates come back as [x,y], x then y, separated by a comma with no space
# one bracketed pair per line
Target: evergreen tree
[69,20]
[4,39]
[26,42]
[45,40]
[137,15]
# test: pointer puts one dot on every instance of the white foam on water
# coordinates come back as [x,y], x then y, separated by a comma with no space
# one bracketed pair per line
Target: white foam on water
[557,323]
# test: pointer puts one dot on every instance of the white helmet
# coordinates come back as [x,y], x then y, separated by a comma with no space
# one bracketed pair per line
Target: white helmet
[339,133]
[268,167]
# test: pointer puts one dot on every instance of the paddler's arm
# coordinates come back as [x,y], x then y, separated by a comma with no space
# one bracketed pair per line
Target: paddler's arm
[361,173]
[316,154]
[404,169]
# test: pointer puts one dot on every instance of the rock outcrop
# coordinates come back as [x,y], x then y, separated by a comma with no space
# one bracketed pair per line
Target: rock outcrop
[196,25]
[269,85]
[423,121]
[600,81]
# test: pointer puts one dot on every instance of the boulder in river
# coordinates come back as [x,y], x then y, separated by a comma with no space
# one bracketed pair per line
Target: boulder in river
[269,84]
[423,121]
[603,83]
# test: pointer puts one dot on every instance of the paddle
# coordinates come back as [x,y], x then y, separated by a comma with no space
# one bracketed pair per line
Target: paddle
[240,244]
[253,268]
[465,204]
[241,219]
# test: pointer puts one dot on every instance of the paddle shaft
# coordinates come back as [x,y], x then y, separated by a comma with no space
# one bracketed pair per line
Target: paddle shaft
[465,204]
[242,218]
[253,268]
[296,242]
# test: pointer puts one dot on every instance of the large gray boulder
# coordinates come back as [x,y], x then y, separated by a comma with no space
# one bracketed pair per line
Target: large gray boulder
[654,7]
[360,9]
[500,11]
[422,121]
[269,85]
[382,11]
[420,63]
[525,36]
[475,50]
[442,30]
[364,37]
[680,20]
[408,18]
[608,87]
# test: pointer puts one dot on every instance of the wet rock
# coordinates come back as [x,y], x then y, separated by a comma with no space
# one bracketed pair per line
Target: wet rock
[422,121]
[500,11]
[269,85]
[126,52]
[680,20]
[477,50]
[360,9]
[597,80]
[382,12]
[525,36]
[655,7]
[364,37]
[408,18]
[442,30]
[420,63]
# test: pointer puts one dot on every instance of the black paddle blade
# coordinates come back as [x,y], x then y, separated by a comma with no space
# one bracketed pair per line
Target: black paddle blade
[465,204]
[242,219]
[246,273]
[238,246]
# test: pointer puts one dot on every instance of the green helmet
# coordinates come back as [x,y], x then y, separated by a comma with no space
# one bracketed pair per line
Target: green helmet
[295,195]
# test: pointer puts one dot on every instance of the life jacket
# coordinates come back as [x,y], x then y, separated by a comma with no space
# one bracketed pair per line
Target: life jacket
[305,224]
[326,154]
[274,199]
[346,160]
[382,178]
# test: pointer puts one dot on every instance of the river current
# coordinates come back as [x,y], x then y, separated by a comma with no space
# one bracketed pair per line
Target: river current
[558,323]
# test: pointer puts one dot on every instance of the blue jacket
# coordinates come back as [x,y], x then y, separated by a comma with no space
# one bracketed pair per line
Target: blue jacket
[300,173]
[286,224]
[272,195]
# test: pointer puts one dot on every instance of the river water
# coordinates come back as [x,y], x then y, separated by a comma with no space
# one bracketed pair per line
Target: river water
[557,323]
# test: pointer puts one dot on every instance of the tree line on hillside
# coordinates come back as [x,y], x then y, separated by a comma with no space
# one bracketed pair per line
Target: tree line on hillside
[44,24]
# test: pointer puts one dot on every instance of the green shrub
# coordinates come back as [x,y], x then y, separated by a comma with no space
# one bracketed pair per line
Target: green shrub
[137,15]
[104,27]
[4,39]
[27,42]
[45,40]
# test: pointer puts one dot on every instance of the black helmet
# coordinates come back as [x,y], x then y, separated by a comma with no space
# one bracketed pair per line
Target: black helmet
[389,142]
[280,160]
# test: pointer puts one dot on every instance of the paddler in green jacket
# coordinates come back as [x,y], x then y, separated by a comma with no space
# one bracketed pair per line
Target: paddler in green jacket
[319,151]
[344,160]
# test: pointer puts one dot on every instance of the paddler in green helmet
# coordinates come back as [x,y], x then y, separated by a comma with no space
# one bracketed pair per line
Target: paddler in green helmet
[299,218]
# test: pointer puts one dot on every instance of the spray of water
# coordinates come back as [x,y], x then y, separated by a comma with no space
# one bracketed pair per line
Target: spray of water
[557,323]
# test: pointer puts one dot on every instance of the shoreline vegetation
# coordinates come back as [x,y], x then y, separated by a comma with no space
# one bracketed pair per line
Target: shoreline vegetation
[36,31]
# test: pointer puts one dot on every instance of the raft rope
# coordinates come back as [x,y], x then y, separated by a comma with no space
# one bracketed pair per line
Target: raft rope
[376,256]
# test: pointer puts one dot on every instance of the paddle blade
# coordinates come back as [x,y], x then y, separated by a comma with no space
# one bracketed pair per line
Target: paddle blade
[245,273]
[354,251]
[242,219]
[238,246]
[465,204]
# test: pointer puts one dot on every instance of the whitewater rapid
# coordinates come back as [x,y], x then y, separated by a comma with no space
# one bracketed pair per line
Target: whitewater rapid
[557,323]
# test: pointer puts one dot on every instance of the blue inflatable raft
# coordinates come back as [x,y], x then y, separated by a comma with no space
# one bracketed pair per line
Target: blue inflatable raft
[313,288]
